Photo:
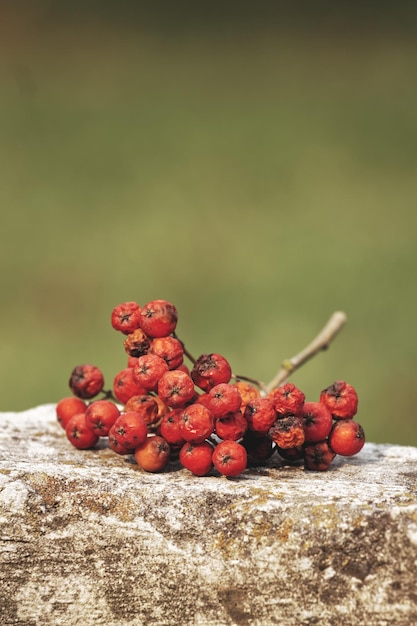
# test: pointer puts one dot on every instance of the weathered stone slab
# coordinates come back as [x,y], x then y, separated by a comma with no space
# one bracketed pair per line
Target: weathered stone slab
[89,538]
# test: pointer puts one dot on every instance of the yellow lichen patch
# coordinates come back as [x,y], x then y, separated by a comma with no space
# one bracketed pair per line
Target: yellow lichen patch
[109,504]
[325,516]
[283,531]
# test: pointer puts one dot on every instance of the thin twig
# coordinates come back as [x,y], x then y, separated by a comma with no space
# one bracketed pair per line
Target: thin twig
[187,354]
[321,342]
[254,381]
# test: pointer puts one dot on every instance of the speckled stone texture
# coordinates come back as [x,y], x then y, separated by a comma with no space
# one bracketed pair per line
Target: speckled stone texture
[89,538]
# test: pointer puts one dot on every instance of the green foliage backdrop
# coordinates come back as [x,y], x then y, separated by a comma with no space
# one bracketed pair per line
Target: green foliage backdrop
[259,173]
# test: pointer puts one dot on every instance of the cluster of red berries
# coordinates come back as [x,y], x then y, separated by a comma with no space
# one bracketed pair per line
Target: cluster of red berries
[159,409]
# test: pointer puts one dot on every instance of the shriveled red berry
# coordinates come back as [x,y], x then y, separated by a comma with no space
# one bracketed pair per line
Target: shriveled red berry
[125,385]
[210,370]
[137,343]
[86,381]
[318,456]
[288,432]
[153,454]
[170,349]
[100,416]
[260,414]
[347,437]
[196,423]
[317,420]
[197,457]
[79,434]
[159,318]
[176,388]
[287,399]
[247,392]
[130,430]
[223,399]
[170,428]
[146,405]
[259,447]
[229,458]
[162,406]
[341,399]
[231,426]
[149,370]
[67,407]
[126,317]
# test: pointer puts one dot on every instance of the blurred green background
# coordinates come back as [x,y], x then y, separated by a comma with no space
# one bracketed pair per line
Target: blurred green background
[254,163]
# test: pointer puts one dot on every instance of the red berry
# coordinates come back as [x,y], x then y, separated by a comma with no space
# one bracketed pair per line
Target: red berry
[318,456]
[196,423]
[170,349]
[223,399]
[149,370]
[117,447]
[79,434]
[159,318]
[153,454]
[347,437]
[341,399]
[67,407]
[197,457]
[86,381]
[287,399]
[170,428]
[125,386]
[100,416]
[126,317]
[176,388]
[210,370]
[260,414]
[129,430]
[232,426]
[317,421]
[137,343]
[146,405]
[229,458]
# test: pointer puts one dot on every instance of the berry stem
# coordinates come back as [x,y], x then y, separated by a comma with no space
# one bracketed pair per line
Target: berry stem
[248,379]
[321,342]
[187,354]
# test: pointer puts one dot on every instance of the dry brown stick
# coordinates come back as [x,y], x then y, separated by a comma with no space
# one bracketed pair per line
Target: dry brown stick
[321,342]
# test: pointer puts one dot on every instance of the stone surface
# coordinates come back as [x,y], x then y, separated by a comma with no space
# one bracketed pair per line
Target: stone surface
[89,538]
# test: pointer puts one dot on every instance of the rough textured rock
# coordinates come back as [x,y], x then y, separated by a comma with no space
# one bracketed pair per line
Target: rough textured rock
[89,538]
